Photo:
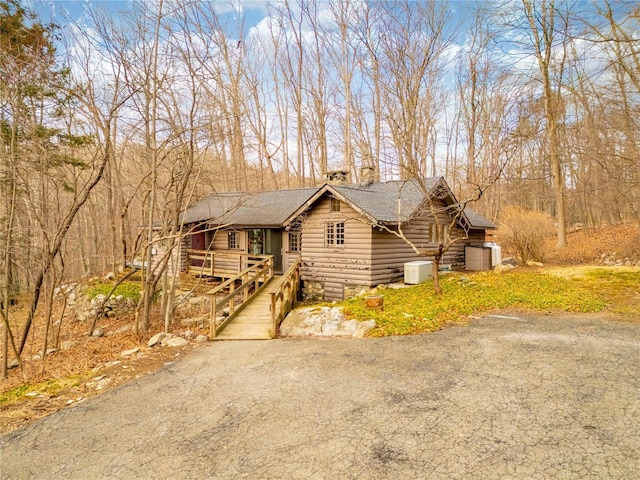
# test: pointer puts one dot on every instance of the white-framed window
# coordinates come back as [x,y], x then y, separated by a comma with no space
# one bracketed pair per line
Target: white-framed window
[233,241]
[334,206]
[295,239]
[334,234]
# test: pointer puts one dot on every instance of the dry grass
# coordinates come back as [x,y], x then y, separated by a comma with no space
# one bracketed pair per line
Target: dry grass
[42,386]
[588,246]
[87,353]
[610,245]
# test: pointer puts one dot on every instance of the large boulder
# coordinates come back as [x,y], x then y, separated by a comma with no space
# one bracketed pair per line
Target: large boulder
[503,267]
[157,339]
[324,322]
[509,261]
[176,342]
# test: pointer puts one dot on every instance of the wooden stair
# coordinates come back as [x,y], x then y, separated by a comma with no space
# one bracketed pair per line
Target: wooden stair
[254,321]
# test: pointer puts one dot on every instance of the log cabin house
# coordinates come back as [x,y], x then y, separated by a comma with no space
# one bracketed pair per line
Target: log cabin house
[339,230]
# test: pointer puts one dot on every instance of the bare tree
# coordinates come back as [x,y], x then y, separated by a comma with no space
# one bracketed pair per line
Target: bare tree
[613,33]
[413,39]
[487,109]
[54,183]
[549,33]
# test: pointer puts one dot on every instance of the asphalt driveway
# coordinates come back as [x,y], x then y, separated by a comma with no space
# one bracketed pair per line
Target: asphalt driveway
[517,398]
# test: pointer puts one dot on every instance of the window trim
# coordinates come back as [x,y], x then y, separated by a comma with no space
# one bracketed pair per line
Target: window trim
[435,238]
[334,235]
[233,240]
[295,245]
[335,205]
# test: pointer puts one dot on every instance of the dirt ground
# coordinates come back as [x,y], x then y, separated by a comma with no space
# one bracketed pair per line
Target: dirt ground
[92,365]
[54,393]
[607,245]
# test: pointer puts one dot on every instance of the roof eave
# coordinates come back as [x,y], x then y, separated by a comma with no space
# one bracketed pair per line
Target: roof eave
[327,188]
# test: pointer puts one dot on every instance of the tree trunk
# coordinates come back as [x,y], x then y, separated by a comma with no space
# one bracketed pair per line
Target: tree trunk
[436,272]
[543,31]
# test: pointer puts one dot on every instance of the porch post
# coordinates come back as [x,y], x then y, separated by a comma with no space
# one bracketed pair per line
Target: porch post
[232,288]
[273,314]
[212,319]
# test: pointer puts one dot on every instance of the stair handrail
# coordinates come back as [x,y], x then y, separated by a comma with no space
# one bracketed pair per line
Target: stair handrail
[252,276]
[285,296]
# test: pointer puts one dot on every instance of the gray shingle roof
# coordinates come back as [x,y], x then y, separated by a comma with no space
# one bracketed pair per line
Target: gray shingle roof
[379,201]
[387,202]
[263,209]
[476,220]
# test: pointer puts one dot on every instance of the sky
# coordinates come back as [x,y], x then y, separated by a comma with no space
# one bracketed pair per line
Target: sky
[58,10]
[256,11]
[54,10]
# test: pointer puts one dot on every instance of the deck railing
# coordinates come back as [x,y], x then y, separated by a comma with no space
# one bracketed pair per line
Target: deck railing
[220,264]
[256,276]
[285,296]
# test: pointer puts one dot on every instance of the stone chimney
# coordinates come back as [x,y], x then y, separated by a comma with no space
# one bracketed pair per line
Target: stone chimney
[337,177]
[367,176]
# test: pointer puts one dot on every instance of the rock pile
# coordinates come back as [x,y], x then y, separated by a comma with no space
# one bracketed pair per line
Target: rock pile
[114,307]
[612,259]
[323,321]
[87,308]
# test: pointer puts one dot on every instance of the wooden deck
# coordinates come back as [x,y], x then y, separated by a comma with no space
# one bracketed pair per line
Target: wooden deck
[254,321]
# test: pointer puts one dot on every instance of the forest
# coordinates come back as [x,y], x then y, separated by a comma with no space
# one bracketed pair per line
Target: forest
[113,121]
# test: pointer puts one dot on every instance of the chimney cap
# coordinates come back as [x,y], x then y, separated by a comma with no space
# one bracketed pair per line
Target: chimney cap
[337,176]
[368,174]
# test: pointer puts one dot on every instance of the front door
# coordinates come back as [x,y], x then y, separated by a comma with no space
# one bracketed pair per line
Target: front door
[274,247]
[267,242]
[256,241]
[197,240]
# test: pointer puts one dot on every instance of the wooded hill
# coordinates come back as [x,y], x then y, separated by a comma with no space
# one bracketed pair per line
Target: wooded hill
[112,123]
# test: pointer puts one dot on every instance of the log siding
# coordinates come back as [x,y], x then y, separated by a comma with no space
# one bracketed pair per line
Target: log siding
[369,256]
[335,266]
[340,246]
[390,253]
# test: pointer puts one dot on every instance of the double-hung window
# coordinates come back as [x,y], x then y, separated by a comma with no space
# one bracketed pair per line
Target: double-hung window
[438,233]
[294,241]
[233,241]
[334,234]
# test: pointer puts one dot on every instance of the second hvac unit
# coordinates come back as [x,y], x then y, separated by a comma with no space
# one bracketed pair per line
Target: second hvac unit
[417,272]
[477,258]
[496,253]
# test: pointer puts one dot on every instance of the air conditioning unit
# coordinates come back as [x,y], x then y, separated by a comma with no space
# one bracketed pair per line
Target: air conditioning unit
[496,253]
[477,258]
[417,272]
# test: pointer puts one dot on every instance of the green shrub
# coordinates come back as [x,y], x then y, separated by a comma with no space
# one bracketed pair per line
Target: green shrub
[126,289]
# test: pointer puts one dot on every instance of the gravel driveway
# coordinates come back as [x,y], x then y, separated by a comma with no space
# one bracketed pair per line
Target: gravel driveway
[505,397]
